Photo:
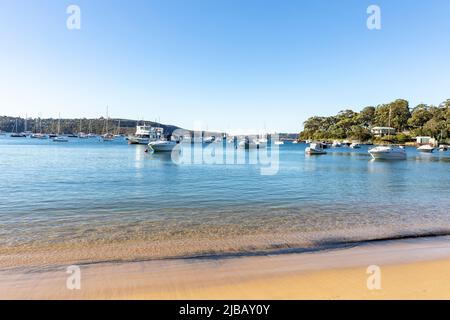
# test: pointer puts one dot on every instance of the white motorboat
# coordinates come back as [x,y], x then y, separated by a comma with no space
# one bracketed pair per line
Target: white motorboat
[443,147]
[388,153]
[162,145]
[60,139]
[278,143]
[248,143]
[82,135]
[315,148]
[209,140]
[355,146]
[295,142]
[39,136]
[336,144]
[425,148]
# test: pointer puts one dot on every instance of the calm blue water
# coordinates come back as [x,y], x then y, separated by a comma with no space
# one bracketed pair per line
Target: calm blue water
[87,193]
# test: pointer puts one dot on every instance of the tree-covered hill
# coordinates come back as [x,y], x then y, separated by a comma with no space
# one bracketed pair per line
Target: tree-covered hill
[97,126]
[408,122]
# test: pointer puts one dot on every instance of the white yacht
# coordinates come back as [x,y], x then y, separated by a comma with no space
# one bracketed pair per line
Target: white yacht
[146,134]
[39,136]
[162,145]
[82,135]
[248,143]
[208,140]
[60,139]
[278,142]
[425,148]
[315,148]
[355,146]
[388,153]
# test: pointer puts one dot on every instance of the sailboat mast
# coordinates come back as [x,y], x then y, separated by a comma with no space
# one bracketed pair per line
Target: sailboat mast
[59,123]
[389,123]
[107,117]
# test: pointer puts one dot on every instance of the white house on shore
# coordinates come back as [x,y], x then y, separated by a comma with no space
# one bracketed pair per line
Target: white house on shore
[425,140]
[382,131]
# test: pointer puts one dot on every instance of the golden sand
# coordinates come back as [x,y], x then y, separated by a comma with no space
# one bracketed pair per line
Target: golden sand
[417,269]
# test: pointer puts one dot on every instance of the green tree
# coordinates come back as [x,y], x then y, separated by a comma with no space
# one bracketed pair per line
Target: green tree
[420,115]
[396,113]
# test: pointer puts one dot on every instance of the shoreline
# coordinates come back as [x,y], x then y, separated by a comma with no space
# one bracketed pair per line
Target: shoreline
[410,268]
[49,258]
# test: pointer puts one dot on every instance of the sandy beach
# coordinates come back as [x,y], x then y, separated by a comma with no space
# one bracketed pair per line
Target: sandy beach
[410,269]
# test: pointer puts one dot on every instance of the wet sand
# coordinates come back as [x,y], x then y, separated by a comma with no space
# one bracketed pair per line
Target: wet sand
[410,269]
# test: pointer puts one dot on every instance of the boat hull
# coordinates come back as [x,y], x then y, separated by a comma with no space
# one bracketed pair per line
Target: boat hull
[388,155]
[425,150]
[311,151]
[135,140]
[166,146]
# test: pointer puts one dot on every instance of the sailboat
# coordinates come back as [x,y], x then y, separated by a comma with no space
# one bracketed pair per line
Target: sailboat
[16,134]
[117,135]
[107,136]
[81,134]
[39,135]
[388,152]
[60,138]
[90,134]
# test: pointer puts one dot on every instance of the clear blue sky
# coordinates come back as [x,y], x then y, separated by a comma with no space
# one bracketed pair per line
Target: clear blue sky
[225,63]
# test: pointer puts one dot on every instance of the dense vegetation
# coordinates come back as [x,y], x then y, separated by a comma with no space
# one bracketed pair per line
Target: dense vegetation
[409,122]
[97,126]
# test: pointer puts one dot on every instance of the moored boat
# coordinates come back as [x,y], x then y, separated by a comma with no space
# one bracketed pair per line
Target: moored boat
[60,139]
[145,134]
[16,134]
[248,143]
[315,148]
[425,148]
[38,136]
[162,145]
[108,137]
[388,153]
